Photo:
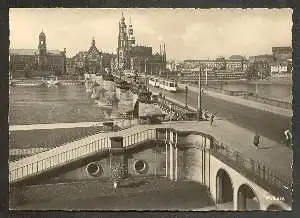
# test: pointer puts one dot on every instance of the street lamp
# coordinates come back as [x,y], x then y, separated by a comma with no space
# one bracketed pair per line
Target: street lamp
[199,98]
[186,97]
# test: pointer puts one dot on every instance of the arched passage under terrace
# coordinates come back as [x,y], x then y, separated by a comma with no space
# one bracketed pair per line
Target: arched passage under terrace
[224,188]
[247,198]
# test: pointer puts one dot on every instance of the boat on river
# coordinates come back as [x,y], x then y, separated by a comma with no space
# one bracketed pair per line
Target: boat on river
[53,83]
[104,104]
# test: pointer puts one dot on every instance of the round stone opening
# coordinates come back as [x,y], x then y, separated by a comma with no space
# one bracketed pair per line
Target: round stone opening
[93,169]
[140,166]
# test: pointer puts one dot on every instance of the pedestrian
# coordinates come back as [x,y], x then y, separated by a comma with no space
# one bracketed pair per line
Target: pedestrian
[256,140]
[212,119]
[288,138]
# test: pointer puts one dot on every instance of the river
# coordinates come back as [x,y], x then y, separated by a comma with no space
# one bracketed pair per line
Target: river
[53,105]
[281,92]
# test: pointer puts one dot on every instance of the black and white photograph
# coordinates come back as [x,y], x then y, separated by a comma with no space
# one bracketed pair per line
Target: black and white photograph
[150,109]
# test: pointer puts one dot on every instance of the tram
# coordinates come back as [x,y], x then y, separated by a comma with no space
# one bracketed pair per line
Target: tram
[168,85]
[153,81]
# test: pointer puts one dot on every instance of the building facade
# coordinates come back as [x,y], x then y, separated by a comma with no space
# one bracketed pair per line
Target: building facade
[131,56]
[281,70]
[260,66]
[91,61]
[281,54]
[27,63]
[235,63]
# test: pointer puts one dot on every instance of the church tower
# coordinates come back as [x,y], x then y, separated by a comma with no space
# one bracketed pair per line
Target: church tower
[42,57]
[42,44]
[122,44]
[131,38]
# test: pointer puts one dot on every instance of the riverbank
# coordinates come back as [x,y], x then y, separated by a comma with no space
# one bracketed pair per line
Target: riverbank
[41,83]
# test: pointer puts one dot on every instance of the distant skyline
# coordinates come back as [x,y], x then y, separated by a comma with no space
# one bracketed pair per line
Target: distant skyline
[187,33]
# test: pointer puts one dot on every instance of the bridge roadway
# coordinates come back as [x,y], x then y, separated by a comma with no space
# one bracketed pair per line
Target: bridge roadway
[267,124]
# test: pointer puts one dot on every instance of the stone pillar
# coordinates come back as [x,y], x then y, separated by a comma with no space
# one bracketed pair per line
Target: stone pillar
[176,163]
[118,161]
[171,159]
[116,142]
[166,142]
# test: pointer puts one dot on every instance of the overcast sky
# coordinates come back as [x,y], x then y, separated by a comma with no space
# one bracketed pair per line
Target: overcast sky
[187,33]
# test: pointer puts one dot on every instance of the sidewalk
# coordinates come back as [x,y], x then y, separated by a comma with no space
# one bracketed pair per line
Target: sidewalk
[248,103]
[275,156]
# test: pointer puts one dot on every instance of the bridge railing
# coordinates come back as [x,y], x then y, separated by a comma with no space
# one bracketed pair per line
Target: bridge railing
[256,169]
[55,158]
[23,153]
[33,151]
[139,137]
[61,155]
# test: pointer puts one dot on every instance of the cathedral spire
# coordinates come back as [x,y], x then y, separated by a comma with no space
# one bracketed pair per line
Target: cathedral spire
[93,41]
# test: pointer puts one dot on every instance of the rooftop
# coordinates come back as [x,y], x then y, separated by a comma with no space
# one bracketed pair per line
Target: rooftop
[32,52]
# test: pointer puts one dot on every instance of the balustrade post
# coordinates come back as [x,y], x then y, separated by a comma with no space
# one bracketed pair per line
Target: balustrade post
[116,142]
[258,169]
[236,157]
[252,164]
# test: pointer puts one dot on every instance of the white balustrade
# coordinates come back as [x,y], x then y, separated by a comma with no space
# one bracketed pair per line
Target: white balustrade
[67,152]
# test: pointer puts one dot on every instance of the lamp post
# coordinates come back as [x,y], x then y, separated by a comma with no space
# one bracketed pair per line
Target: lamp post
[199,98]
[186,97]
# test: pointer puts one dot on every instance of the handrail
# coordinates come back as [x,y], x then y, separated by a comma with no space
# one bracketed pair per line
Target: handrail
[67,142]
[254,167]
[75,139]
[36,167]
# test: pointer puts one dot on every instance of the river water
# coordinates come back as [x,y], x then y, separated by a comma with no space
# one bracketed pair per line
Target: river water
[281,92]
[73,104]
[28,105]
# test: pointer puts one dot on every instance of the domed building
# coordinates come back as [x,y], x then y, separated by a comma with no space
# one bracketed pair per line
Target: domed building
[91,61]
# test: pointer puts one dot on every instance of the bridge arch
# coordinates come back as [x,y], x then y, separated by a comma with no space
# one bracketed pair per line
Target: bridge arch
[224,187]
[274,207]
[247,199]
